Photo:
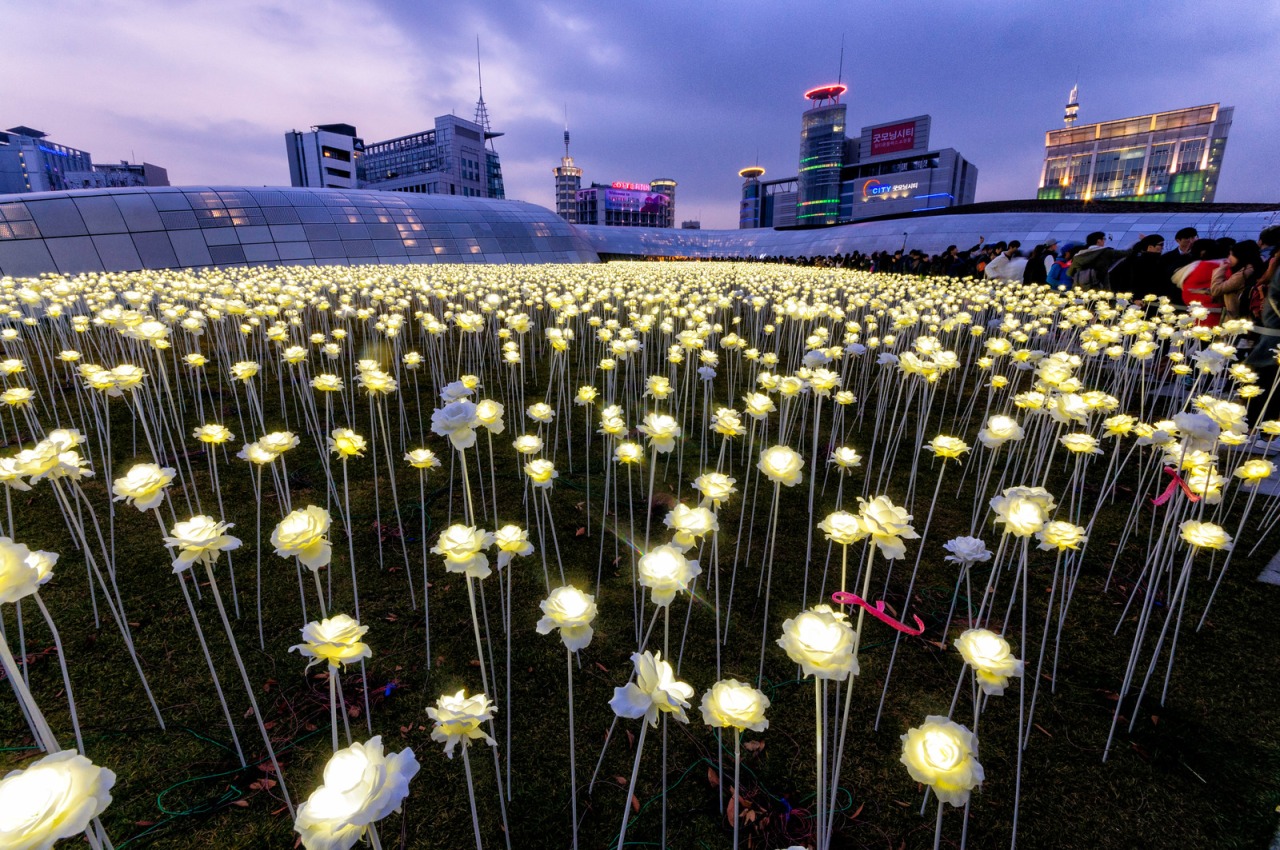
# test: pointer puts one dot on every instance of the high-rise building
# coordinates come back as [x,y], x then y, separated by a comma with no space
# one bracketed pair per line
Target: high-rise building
[454,158]
[30,162]
[568,182]
[888,169]
[1164,156]
[821,156]
[326,157]
[666,186]
[749,209]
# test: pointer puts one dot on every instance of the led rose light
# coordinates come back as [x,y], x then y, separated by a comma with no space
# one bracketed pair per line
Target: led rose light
[666,572]
[362,785]
[990,657]
[53,798]
[782,465]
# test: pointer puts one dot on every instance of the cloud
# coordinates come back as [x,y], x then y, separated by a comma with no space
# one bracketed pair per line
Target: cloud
[688,91]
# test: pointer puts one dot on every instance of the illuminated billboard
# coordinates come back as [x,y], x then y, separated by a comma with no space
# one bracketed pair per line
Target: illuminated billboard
[630,200]
[892,138]
[886,189]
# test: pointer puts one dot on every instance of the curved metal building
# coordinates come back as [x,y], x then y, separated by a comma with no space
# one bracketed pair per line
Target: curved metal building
[198,227]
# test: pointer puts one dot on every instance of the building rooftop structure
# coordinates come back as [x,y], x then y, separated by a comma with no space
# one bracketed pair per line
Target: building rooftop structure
[1174,155]
[208,227]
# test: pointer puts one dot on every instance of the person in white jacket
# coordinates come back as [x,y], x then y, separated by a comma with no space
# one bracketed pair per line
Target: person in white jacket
[1008,264]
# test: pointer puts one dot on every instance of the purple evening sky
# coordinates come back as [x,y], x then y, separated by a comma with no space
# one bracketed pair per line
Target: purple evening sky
[691,91]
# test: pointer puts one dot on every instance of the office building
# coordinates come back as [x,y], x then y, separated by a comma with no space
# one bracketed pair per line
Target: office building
[888,169]
[324,158]
[1165,156]
[749,208]
[456,157]
[30,162]
[622,204]
[822,143]
[568,182]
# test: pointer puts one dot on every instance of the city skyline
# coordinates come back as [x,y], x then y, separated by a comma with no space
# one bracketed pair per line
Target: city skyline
[691,93]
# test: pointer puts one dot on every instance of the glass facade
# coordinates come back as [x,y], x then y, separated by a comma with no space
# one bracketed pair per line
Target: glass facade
[1166,156]
[145,228]
[821,158]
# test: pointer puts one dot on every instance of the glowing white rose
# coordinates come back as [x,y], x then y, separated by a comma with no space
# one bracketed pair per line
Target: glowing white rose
[820,640]
[1000,429]
[1023,510]
[200,538]
[941,754]
[361,787]
[143,486]
[463,549]
[511,540]
[662,431]
[736,705]
[991,658]
[842,527]
[541,472]
[571,612]
[1204,535]
[1060,535]
[716,488]
[489,414]
[423,459]
[301,535]
[458,720]
[887,524]
[346,443]
[782,465]
[690,524]
[19,577]
[335,641]
[666,572]
[52,798]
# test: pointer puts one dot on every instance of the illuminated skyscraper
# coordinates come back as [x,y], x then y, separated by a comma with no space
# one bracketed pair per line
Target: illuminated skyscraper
[749,209]
[1165,156]
[821,156]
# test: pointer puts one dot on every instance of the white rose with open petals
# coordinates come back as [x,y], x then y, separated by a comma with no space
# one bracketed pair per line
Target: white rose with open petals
[143,486]
[301,535]
[361,787]
[457,420]
[52,798]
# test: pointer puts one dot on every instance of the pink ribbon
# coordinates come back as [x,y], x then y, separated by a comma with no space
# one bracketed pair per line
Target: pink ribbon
[841,597]
[1173,488]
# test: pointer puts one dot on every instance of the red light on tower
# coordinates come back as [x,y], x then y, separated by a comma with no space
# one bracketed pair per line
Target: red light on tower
[822,94]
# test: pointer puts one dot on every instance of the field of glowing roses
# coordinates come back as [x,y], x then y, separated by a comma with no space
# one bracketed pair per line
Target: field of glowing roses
[628,555]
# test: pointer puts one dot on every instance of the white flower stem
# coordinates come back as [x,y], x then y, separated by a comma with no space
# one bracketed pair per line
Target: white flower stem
[213,673]
[821,796]
[631,788]
[573,769]
[937,829]
[471,794]
[38,724]
[66,679]
[333,705]
[248,688]
[737,792]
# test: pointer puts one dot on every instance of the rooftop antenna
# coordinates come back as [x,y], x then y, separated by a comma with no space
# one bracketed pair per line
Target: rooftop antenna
[566,131]
[482,111]
[840,71]
[1073,104]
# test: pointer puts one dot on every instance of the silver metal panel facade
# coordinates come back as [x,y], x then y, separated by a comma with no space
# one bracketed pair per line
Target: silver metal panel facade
[196,227]
[930,234]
